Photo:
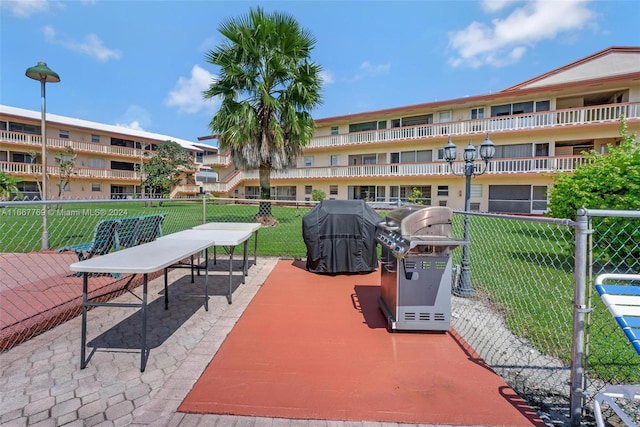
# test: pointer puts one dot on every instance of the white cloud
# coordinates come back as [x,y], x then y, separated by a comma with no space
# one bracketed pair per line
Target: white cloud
[91,46]
[26,8]
[327,77]
[135,117]
[187,93]
[135,125]
[367,70]
[507,39]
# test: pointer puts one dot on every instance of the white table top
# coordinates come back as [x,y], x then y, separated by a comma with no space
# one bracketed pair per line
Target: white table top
[216,237]
[146,258]
[248,226]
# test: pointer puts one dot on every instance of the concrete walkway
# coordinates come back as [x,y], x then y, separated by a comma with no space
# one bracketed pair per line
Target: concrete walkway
[42,384]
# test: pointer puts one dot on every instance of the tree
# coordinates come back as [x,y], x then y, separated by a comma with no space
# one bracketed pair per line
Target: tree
[9,185]
[604,181]
[165,167]
[318,195]
[66,161]
[267,85]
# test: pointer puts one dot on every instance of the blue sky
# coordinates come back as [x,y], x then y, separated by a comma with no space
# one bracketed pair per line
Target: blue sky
[142,64]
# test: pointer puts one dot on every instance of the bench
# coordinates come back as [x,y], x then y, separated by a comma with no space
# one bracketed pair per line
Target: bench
[117,233]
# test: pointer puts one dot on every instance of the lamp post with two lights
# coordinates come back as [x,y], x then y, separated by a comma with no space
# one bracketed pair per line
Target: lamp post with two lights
[486,151]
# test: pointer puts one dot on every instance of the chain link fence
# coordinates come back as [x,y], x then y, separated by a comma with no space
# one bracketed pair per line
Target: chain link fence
[614,247]
[520,320]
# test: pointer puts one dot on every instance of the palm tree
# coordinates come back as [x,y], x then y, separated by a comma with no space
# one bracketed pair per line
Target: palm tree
[267,85]
[8,185]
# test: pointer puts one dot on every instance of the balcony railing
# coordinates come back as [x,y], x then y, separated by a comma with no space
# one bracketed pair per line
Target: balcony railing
[30,169]
[567,117]
[77,146]
[532,165]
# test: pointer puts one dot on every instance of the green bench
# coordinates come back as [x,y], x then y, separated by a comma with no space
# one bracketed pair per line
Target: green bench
[117,233]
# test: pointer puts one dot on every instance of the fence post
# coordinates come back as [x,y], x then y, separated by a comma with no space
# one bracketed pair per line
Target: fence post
[579,310]
[204,208]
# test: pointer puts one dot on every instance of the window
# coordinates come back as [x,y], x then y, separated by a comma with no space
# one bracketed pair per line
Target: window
[63,134]
[333,160]
[95,138]
[3,125]
[474,206]
[21,158]
[369,159]
[95,162]
[510,151]
[4,156]
[444,116]
[67,186]
[423,156]
[408,157]
[334,130]
[510,198]
[520,108]
[308,161]
[443,190]
[24,128]
[442,203]
[333,190]
[360,127]
[476,190]
[477,113]
[308,189]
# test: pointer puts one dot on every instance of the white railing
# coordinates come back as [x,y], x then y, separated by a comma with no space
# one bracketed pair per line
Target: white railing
[77,146]
[533,165]
[217,160]
[36,169]
[567,117]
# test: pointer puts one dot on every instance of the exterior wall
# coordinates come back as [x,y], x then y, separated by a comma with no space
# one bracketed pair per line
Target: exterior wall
[102,170]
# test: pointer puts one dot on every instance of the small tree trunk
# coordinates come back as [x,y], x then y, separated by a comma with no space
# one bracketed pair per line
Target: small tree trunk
[264,209]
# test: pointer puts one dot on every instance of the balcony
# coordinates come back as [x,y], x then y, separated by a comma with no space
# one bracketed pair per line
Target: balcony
[529,165]
[23,139]
[29,169]
[609,113]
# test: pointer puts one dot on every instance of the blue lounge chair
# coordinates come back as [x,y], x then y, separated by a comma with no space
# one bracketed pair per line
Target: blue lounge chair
[623,301]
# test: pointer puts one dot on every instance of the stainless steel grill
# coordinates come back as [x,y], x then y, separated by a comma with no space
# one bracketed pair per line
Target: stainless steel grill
[416,267]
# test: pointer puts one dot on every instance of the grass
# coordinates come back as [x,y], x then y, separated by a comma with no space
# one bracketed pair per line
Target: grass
[525,268]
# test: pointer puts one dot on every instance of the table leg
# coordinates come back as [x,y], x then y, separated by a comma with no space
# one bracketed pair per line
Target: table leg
[83,341]
[192,280]
[255,248]
[166,289]
[231,249]
[206,279]
[245,259]
[143,352]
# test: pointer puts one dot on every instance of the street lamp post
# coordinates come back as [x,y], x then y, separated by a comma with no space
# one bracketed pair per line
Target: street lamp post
[487,150]
[44,74]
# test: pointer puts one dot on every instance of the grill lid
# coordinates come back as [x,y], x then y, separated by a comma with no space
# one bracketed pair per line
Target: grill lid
[416,220]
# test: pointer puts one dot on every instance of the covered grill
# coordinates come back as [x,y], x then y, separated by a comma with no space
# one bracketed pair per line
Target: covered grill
[416,267]
[340,236]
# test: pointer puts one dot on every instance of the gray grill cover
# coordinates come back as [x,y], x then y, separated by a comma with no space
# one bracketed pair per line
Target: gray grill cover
[341,237]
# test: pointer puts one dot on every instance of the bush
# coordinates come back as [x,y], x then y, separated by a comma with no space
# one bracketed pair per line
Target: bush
[606,181]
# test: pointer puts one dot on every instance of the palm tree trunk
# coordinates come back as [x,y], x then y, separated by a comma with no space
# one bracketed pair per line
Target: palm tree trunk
[264,210]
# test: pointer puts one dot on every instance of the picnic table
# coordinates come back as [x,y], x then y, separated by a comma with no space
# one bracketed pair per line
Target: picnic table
[161,254]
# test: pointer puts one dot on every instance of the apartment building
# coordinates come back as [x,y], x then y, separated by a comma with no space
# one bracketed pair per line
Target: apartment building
[539,127]
[108,157]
